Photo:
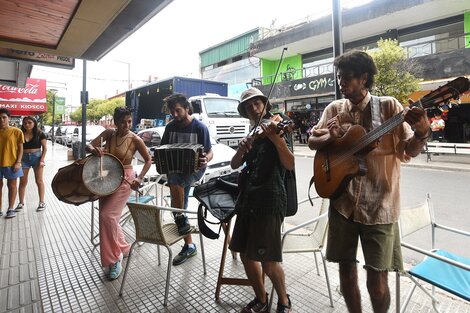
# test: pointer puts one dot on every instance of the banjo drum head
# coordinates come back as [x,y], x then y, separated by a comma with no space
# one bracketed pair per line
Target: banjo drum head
[104,175]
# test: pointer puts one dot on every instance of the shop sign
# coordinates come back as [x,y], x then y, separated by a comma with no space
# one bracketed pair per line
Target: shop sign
[59,105]
[313,85]
[39,58]
[24,101]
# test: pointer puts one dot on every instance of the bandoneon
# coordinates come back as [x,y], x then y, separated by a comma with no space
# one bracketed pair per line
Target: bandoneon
[180,158]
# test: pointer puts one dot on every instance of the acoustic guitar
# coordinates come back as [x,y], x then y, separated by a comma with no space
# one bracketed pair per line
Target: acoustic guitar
[341,160]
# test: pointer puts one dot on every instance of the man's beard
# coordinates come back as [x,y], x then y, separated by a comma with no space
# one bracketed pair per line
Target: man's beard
[178,120]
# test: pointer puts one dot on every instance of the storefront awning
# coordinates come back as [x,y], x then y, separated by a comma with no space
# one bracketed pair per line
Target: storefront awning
[415,96]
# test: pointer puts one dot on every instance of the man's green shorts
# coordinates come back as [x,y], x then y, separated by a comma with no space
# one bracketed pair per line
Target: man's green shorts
[380,243]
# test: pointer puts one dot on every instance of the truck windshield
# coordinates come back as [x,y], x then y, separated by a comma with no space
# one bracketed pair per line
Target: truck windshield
[221,107]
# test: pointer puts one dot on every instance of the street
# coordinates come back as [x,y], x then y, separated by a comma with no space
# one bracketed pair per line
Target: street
[448,190]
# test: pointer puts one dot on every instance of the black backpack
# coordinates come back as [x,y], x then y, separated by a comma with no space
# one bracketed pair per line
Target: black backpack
[289,178]
[218,196]
[291,185]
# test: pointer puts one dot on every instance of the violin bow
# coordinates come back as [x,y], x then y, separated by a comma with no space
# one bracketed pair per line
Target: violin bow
[270,90]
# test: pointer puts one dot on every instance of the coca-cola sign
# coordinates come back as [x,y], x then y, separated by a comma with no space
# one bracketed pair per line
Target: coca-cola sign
[30,98]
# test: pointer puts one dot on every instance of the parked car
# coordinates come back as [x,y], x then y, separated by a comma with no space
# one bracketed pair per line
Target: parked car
[92,131]
[219,165]
[49,132]
[67,134]
[46,130]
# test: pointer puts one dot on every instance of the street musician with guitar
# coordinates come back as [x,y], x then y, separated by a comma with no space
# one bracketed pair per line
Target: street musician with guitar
[365,206]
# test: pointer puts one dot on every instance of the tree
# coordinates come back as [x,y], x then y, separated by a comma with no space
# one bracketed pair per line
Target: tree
[396,72]
[97,108]
[46,118]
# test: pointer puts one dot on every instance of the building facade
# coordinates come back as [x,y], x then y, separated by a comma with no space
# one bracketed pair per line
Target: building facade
[435,33]
[230,62]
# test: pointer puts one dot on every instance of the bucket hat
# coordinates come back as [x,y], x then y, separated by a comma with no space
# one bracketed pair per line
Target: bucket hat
[248,94]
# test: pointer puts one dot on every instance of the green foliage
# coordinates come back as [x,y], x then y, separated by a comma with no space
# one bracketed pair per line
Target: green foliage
[46,118]
[396,72]
[97,108]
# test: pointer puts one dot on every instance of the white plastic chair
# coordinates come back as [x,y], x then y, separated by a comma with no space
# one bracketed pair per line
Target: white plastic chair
[309,242]
[149,228]
[440,268]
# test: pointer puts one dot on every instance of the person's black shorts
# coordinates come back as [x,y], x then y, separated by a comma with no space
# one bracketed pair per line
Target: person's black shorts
[258,237]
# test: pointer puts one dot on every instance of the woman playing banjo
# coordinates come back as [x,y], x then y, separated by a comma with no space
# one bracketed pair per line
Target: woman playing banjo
[122,143]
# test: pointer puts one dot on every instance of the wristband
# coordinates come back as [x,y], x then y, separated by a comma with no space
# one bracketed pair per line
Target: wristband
[429,133]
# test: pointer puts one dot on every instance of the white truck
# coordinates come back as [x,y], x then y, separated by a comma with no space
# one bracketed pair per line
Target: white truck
[221,117]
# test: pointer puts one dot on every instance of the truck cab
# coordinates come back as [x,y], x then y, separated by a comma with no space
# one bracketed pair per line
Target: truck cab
[221,117]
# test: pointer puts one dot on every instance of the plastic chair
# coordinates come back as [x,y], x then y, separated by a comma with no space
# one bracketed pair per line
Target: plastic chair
[440,268]
[312,241]
[149,228]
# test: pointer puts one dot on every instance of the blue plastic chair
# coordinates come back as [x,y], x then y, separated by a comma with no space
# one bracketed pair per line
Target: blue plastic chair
[440,268]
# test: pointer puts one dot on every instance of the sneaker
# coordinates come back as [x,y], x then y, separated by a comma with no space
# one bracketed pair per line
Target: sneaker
[41,207]
[10,213]
[256,306]
[182,223]
[282,308]
[185,254]
[19,207]
[115,270]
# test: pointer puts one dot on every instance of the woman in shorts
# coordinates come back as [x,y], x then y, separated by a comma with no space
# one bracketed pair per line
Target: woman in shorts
[34,152]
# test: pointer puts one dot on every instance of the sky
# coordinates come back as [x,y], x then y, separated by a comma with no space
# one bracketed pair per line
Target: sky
[169,44]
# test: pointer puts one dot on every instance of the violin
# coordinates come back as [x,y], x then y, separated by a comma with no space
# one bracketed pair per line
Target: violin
[282,126]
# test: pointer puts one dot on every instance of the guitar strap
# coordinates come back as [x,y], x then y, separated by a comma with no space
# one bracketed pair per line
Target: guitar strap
[375,111]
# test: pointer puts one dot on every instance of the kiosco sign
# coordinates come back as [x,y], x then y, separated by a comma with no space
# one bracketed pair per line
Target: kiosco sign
[30,100]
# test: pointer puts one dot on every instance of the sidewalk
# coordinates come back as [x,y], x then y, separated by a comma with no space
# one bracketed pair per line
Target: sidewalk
[448,162]
[48,264]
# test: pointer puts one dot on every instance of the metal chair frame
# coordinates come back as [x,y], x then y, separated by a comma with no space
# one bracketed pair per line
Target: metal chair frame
[409,223]
[164,235]
[139,197]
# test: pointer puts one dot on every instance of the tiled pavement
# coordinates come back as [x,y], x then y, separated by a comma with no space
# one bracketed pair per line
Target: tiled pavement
[47,264]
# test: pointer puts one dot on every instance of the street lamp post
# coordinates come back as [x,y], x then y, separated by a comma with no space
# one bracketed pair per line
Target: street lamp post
[54,92]
[129,85]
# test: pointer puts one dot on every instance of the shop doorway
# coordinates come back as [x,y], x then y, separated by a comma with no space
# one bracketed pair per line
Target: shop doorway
[305,113]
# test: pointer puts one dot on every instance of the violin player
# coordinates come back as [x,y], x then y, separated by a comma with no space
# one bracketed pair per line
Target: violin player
[369,206]
[262,202]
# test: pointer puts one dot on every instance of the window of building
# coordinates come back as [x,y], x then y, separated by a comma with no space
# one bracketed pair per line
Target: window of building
[318,67]
[434,40]
[234,73]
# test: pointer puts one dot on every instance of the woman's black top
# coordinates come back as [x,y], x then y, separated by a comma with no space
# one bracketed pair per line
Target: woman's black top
[35,142]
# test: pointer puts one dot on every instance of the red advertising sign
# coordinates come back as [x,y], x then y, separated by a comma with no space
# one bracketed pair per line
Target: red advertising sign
[30,100]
